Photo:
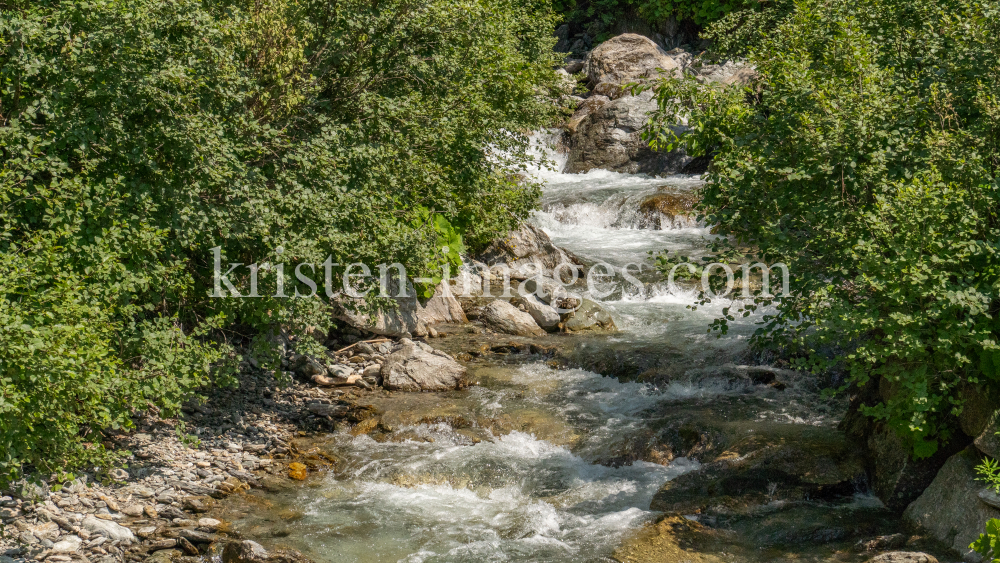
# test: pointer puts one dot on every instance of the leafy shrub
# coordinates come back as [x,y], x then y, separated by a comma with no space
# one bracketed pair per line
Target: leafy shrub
[610,13]
[136,135]
[988,544]
[865,157]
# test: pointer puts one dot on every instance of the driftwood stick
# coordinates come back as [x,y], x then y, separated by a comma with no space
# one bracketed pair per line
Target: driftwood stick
[377,340]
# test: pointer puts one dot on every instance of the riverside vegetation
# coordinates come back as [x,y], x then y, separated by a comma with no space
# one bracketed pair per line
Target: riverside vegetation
[136,136]
[865,158]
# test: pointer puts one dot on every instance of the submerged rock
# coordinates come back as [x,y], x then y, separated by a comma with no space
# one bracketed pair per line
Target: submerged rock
[411,368]
[903,557]
[950,510]
[789,463]
[505,318]
[589,316]
[664,210]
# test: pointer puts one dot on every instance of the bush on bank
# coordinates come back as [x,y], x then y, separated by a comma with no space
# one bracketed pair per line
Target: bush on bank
[866,158]
[136,135]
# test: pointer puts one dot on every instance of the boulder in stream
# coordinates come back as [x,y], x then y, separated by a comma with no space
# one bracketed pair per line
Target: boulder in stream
[412,367]
[589,316]
[950,510]
[544,315]
[780,462]
[609,137]
[528,251]
[505,318]
[625,59]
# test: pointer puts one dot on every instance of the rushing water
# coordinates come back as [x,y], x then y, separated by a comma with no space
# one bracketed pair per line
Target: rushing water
[525,475]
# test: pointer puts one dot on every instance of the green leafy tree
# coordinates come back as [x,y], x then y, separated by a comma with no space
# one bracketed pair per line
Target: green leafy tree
[865,157]
[137,135]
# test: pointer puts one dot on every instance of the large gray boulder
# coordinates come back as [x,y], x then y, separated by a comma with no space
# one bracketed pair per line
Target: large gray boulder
[443,307]
[545,315]
[950,510]
[609,137]
[412,367]
[505,318]
[527,251]
[402,321]
[625,59]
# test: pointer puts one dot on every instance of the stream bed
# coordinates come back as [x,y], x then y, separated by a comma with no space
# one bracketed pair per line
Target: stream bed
[547,461]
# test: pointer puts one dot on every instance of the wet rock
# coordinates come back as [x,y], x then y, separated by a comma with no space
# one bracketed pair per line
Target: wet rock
[161,544]
[609,137]
[894,476]
[187,546]
[244,552]
[624,59]
[882,543]
[790,463]
[666,210]
[410,368]
[297,471]
[163,556]
[505,318]
[589,316]
[903,557]
[950,510]
[110,530]
[544,315]
[669,539]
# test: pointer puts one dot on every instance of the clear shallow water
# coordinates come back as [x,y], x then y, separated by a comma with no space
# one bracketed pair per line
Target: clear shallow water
[521,466]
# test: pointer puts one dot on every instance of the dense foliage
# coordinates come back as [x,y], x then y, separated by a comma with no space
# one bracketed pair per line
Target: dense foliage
[651,11]
[866,157]
[136,135]
[988,544]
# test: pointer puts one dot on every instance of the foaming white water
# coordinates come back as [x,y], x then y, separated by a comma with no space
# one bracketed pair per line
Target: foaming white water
[513,498]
